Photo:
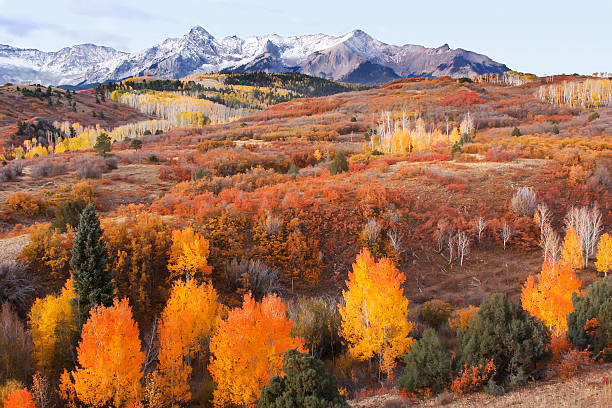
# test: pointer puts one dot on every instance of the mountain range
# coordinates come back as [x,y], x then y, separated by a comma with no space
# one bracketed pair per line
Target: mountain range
[355,57]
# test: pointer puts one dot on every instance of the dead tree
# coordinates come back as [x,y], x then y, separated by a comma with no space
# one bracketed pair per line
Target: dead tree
[506,233]
[463,246]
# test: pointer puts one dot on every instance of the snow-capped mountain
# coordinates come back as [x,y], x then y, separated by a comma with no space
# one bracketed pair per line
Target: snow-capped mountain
[354,57]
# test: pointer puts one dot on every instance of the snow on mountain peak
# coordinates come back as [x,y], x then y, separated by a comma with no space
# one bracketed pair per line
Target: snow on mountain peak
[200,51]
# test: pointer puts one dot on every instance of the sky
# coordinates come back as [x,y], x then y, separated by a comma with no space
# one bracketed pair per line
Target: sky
[537,36]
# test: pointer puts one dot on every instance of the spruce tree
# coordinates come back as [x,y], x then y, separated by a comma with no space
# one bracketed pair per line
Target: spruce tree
[93,282]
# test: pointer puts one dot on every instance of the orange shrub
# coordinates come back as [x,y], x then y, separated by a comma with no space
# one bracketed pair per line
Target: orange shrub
[471,379]
[462,317]
[26,204]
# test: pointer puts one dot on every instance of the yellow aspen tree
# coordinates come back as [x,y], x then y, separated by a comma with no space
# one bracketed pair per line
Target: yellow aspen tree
[375,314]
[571,252]
[189,318]
[604,254]
[52,323]
[188,255]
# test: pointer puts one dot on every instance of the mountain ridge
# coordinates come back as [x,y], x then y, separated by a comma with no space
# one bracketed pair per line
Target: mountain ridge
[353,57]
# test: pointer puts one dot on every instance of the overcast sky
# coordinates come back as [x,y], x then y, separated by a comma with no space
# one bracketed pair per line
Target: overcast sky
[538,36]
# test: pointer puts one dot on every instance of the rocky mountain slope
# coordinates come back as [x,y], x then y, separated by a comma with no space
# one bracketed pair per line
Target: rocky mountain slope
[355,57]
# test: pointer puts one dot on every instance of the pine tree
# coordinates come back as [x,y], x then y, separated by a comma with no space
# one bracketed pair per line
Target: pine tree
[93,282]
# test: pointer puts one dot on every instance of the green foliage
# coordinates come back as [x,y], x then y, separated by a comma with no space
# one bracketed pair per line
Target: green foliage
[339,164]
[493,389]
[516,132]
[428,365]
[136,144]
[103,144]
[68,213]
[200,174]
[93,282]
[593,116]
[456,148]
[436,312]
[293,169]
[465,138]
[507,334]
[305,383]
[555,130]
[465,80]
[595,303]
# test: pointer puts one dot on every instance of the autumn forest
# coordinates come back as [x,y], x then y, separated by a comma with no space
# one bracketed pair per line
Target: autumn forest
[281,240]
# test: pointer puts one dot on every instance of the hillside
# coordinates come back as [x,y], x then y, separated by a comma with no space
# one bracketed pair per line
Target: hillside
[30,104]
[434,194]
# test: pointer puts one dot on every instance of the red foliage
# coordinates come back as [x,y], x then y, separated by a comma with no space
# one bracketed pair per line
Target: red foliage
[573,362]
[496,155]
[471,379]
[463,99]
[177,173]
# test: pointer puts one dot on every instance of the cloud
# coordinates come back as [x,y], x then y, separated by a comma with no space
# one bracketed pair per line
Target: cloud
[23,28]
[245,6]
[20,27]
[115,11]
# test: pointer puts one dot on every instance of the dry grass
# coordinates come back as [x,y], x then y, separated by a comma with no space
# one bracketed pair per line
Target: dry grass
[582,391]
[10,248]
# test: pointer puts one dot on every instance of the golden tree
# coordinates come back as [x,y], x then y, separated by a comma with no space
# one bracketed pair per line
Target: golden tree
[248,350]
[550,298]
[188,320]
[52,323]
[188,255]
[604,254]
[110,359]
[375,315]
[571,252]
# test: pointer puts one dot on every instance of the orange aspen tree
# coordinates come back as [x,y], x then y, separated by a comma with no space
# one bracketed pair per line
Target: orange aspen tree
[571,252]
[20,398]
[189,318]
[248,350]
[188,255]
[110,359]
[375,315]
[604,254]
[550,298]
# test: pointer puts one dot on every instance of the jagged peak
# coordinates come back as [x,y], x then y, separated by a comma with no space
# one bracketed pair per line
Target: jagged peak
[199,31]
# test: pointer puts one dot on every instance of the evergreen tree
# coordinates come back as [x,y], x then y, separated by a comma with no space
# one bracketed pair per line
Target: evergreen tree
[305,383]
[428,365]
[507,334]
[590,324]
[103,144]
[339,164]
[93,282]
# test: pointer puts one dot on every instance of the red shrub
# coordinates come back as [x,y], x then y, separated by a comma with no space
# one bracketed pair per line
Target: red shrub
[462,99]
[471,379]
[496,155]
[573,362]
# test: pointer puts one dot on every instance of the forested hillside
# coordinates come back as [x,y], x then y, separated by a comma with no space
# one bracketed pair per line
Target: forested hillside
[284,241]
